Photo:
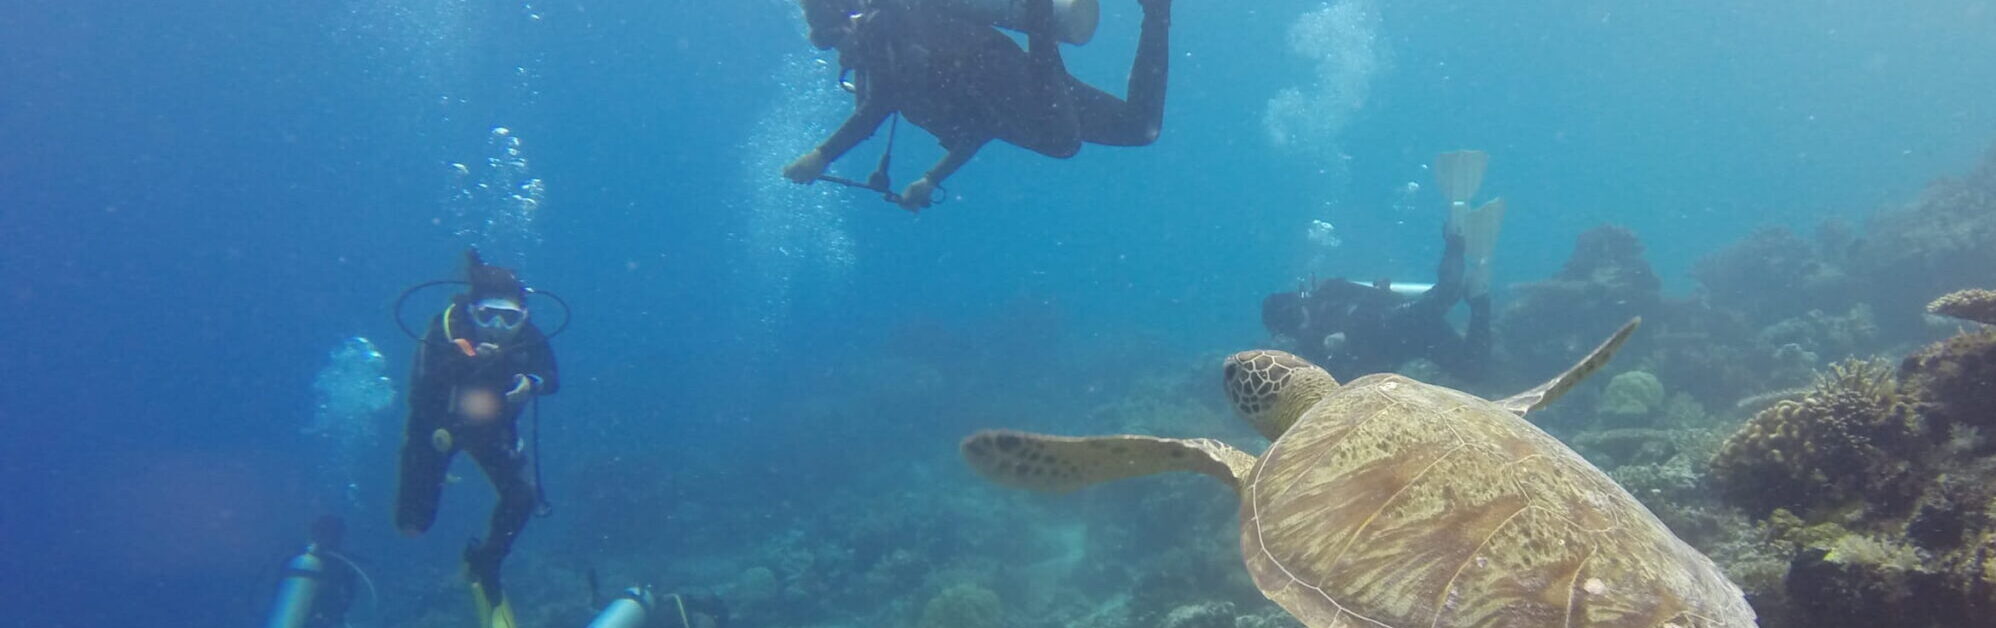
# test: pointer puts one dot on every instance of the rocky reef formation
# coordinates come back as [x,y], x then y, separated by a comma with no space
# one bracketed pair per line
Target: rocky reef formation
[1775,273]
[1970,305]
[1603,284]
[1874,493]
[1942,241]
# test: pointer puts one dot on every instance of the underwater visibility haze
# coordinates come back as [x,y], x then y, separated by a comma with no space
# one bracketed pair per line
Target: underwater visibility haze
[780,404]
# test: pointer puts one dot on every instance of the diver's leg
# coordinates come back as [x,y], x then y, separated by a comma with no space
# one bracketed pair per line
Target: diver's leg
[506,465]
[421,482]
[1448,287]
[1057,130]
[1137,120]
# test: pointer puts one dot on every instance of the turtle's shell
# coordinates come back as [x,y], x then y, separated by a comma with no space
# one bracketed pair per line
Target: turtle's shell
[1397,503]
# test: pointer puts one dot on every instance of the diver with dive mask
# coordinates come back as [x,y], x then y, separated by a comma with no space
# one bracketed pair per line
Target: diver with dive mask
[480,364]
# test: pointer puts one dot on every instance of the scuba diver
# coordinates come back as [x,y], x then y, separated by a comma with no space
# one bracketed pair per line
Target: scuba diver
[479,365]
[1354,329]
[316,592]
[967,83]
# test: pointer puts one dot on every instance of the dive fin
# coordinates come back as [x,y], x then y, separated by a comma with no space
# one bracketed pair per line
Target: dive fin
[1059,464]
[1460,173]
[490,616]
[1543,394]
[1478,228]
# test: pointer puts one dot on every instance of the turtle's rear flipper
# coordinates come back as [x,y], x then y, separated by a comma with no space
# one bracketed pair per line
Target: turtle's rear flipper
[1546,393]
[1058,464]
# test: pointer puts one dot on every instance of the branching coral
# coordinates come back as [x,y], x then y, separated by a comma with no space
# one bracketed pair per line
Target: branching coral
[1968,305]
[1844,440]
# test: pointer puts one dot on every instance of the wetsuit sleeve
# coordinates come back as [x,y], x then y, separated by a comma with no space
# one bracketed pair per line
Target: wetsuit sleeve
[543,365]
[869,110]
[957,156]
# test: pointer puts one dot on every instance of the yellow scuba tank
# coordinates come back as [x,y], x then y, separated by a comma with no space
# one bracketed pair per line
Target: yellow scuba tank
[300,587]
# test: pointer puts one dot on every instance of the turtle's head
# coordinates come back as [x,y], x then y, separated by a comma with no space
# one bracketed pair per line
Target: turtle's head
[1272,389]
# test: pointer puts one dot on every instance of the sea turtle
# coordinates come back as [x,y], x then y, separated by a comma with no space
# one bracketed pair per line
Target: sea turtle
[1391,502]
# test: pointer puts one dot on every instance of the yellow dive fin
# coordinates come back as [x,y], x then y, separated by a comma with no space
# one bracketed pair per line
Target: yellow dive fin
[1478,228]
[490,616]
[1460,173]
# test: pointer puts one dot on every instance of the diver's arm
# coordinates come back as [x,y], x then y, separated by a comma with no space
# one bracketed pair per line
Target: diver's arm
[547,376]
[957,156]
[921,193]
[865,119]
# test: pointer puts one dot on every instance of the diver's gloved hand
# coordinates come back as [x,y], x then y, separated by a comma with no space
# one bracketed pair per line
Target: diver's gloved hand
[523,387]
[918,195]
[807,168]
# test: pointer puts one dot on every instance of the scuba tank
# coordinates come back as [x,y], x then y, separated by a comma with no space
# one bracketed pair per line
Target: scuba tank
[630,609]
[299,589]
[1074,20]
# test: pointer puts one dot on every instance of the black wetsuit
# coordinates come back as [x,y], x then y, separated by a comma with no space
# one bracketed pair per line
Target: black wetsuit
[967,83]
[1383,329]
[336,592]
[442,376]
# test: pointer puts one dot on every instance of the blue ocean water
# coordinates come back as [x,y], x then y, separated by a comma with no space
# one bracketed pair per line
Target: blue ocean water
[203,202]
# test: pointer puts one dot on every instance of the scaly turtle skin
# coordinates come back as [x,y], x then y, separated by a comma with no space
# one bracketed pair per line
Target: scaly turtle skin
[1390,502]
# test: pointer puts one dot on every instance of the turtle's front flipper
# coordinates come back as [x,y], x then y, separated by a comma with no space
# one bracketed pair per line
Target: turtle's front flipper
[1546,393]
[1058,464]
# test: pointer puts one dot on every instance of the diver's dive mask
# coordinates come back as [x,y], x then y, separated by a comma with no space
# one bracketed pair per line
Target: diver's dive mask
[498,319]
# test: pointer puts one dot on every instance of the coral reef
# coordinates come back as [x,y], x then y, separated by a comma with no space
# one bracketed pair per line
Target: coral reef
[1775,273]
[1875,493]
[1956,379]
[1603,284]
[1943,241]
[1631,397]
[964,605]
[1970,305]
[1849,437]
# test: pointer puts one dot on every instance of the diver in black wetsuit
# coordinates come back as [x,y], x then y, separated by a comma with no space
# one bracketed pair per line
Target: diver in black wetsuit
[477,368]
[967,83]
[1353,329]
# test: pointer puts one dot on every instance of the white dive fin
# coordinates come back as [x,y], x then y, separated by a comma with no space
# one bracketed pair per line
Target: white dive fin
[1479,228]
[1460,173]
